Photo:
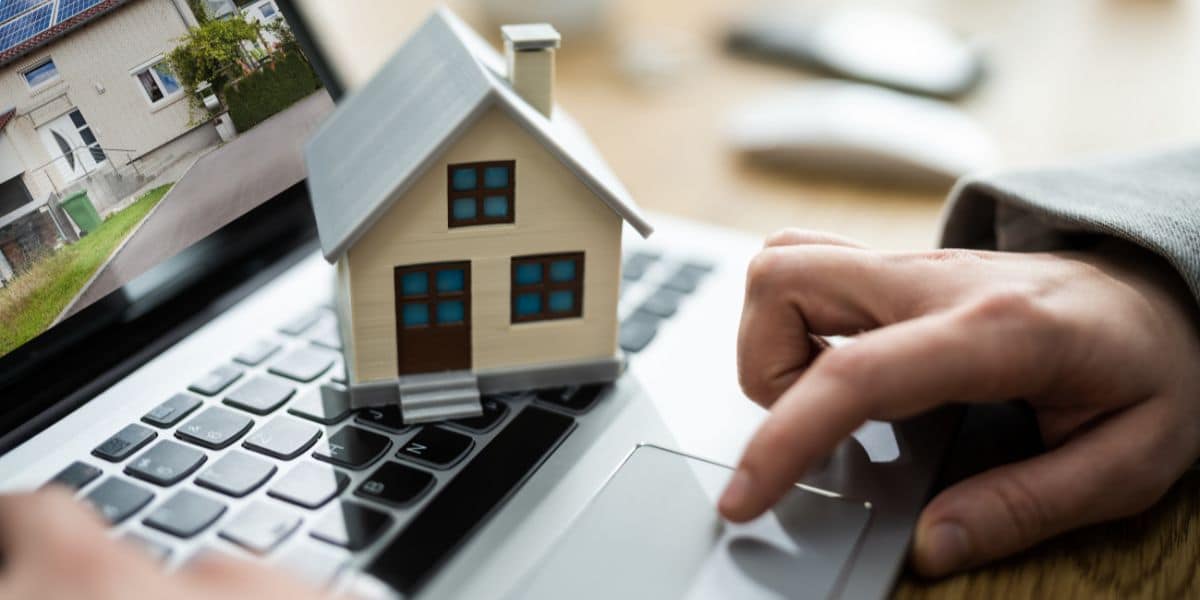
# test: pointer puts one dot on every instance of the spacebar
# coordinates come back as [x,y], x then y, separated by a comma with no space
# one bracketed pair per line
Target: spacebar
[480,488]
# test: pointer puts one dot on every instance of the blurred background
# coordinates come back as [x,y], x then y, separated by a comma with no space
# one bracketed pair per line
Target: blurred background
[661,87]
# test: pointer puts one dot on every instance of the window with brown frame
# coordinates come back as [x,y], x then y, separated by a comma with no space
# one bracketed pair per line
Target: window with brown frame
[481,193]
[546,287]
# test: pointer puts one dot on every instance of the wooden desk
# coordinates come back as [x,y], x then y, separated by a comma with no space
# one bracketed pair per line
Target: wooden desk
[1067,79]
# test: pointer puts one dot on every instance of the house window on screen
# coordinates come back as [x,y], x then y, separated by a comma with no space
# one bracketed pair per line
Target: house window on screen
[159,84]
[482,193]
[547,287]
[40,75]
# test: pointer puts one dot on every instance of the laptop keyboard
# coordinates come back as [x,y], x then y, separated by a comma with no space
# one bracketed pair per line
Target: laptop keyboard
[259,428]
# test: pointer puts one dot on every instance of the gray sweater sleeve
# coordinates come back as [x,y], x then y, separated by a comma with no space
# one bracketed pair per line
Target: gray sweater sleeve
[1152,201]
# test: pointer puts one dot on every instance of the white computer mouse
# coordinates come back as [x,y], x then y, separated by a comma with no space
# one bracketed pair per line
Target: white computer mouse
[859,131]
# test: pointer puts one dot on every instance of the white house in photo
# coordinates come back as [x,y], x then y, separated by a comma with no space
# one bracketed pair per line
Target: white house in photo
[90,104]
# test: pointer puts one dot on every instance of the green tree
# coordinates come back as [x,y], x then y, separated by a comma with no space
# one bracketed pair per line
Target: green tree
[214,52]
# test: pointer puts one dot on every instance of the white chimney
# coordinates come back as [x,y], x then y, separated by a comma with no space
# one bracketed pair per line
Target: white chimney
[530,52]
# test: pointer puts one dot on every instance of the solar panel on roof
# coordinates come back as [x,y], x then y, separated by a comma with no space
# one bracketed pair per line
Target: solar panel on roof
[12,8]
[70,8]
[25,26]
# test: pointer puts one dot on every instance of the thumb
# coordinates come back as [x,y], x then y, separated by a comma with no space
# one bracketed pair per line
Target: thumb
[1106,473]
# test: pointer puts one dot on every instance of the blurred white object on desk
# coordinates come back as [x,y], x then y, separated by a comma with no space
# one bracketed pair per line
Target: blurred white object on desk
[885,47]
[863,132]
[568,16]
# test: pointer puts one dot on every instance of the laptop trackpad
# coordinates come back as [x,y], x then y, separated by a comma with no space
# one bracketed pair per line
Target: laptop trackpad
[653,532]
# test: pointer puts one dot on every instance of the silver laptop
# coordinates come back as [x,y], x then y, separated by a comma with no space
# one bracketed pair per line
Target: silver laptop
[179,389]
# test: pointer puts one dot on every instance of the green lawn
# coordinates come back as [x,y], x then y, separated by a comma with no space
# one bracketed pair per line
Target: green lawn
[31,302]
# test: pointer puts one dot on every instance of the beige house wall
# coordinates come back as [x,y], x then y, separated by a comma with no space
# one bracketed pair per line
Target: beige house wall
[101,53]
[555,213]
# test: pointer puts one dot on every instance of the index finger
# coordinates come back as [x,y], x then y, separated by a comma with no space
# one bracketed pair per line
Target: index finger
[972,354]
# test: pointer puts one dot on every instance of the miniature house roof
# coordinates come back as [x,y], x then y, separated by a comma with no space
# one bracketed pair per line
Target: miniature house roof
[388,133]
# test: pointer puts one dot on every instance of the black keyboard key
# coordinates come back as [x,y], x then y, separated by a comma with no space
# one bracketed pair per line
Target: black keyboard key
[325,406]
[318,565]
[75,476]
[260,395]
[351,525]
[236,474]
[124,443]
[215,428]
[352,447]
[305,364]
[637,264]
[684,280]
[284,438]
[172,410]
[396,484]
[436,447]
[118,499]
[637,331]
[300,323]
[387,418]
[309,485]
[185,514]
[662,303]
[260,527]
[159,551]
[460,507]
[218,379]
[167,463]
[576,398]
[255,353]
[493,412]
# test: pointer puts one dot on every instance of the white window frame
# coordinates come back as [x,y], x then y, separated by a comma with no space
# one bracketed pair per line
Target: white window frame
[149,66]
[24,71]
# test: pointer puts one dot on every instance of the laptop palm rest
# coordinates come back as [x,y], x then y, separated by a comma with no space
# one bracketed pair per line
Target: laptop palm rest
[653,532]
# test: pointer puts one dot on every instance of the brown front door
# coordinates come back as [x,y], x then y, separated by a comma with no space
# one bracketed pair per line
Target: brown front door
[433,317]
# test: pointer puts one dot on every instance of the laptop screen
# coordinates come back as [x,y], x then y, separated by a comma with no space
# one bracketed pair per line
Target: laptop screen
[151,163]
[129,131]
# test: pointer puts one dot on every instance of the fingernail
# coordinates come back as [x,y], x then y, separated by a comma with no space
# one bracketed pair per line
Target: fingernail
[943,549]
[737,493]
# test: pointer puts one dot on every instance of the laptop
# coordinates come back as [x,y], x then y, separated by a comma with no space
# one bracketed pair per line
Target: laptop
[181,388]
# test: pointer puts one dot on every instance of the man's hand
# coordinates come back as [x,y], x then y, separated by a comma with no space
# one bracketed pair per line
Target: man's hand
[1103,345]
[54,547]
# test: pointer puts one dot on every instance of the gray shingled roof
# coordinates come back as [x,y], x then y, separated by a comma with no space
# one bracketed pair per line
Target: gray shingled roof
[384,136]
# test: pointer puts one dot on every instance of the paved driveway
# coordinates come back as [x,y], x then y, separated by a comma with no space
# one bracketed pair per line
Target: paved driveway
[222,186]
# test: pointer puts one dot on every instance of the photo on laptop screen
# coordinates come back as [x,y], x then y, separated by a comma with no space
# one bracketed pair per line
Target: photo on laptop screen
[131,129]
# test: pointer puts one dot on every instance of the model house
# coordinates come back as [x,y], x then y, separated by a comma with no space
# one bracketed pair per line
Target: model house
[475,229]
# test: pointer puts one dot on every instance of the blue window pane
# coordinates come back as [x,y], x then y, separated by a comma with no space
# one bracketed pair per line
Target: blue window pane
[562,270]
[169,82]
[451,281]
[529,304]
[495,177]
[41,74]
[529,274]
[464,178]
[464,209]
[416,315]
[450,311]
[562,301]
[414,284]
[495,206]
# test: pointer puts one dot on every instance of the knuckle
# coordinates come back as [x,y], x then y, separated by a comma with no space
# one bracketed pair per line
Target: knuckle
[787,236]
[948,255]
[754,386]
[1021,306]
[842,367]
[1025,510]
[764,270]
